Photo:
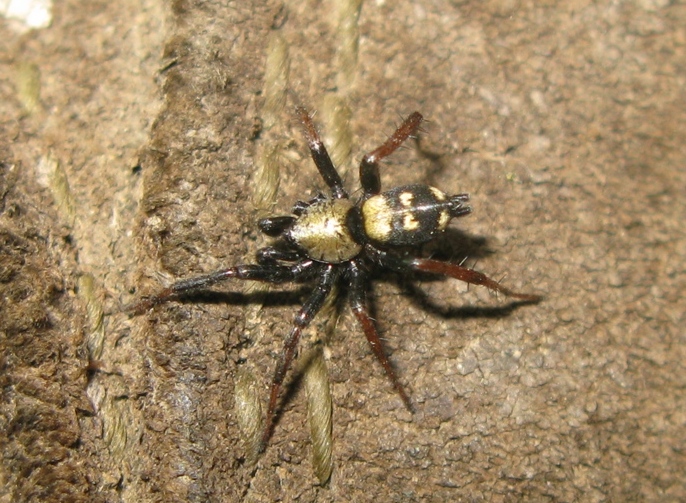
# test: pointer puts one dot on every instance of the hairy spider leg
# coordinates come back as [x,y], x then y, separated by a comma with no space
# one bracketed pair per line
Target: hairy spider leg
[275,226]
[468,276]
[360,307]
[329,276]
[270,273]
[451,270]
[320,156]
[369,167]
[270,255]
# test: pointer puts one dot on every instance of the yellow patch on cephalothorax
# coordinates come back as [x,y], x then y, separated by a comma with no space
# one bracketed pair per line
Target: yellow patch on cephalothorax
[410,223]
[322,233]
[406,199]
[333,227]
[378,218]
[440,196]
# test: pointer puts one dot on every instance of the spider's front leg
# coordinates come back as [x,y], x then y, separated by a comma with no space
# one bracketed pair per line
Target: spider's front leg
[275,226]
[267,272]
[320,156]
[329,276]
[279,225]
[270,255]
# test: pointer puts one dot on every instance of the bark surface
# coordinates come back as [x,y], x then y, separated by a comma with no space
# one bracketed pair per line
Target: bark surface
[139,144]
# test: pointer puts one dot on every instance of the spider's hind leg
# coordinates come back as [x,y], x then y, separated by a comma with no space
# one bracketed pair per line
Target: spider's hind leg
[456,271]
[469,276]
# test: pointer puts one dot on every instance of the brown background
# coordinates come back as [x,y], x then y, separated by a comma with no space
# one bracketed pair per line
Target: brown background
[566,124]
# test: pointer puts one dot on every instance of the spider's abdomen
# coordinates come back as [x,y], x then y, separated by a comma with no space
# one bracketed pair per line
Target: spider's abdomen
[322,231]
[410,215]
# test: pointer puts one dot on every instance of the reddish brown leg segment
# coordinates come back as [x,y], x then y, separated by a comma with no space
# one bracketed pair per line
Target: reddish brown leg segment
[468,276]
[360,306]
[320,156]
[369,167]
[374,341]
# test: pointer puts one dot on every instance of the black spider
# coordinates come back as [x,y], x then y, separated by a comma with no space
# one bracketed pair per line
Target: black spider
[332,238]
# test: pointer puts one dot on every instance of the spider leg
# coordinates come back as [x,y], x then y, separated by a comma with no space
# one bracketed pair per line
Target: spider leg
[321,156]
[329,276]
[451,270]
[301,206]
[469,276]
[275,226]
[360,306]
[270,255]
[369,167]
[270,273]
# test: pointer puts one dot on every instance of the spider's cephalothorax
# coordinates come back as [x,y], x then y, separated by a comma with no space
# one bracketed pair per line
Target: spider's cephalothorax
[333,238]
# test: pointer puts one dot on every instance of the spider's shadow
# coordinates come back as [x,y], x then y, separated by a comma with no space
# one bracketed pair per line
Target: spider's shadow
[454,245]
[420,298]
[269,298]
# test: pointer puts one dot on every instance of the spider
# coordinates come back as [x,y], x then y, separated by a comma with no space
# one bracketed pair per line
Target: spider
[331,239]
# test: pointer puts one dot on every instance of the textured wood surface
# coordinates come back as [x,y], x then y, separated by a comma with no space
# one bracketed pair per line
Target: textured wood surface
[159,133]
